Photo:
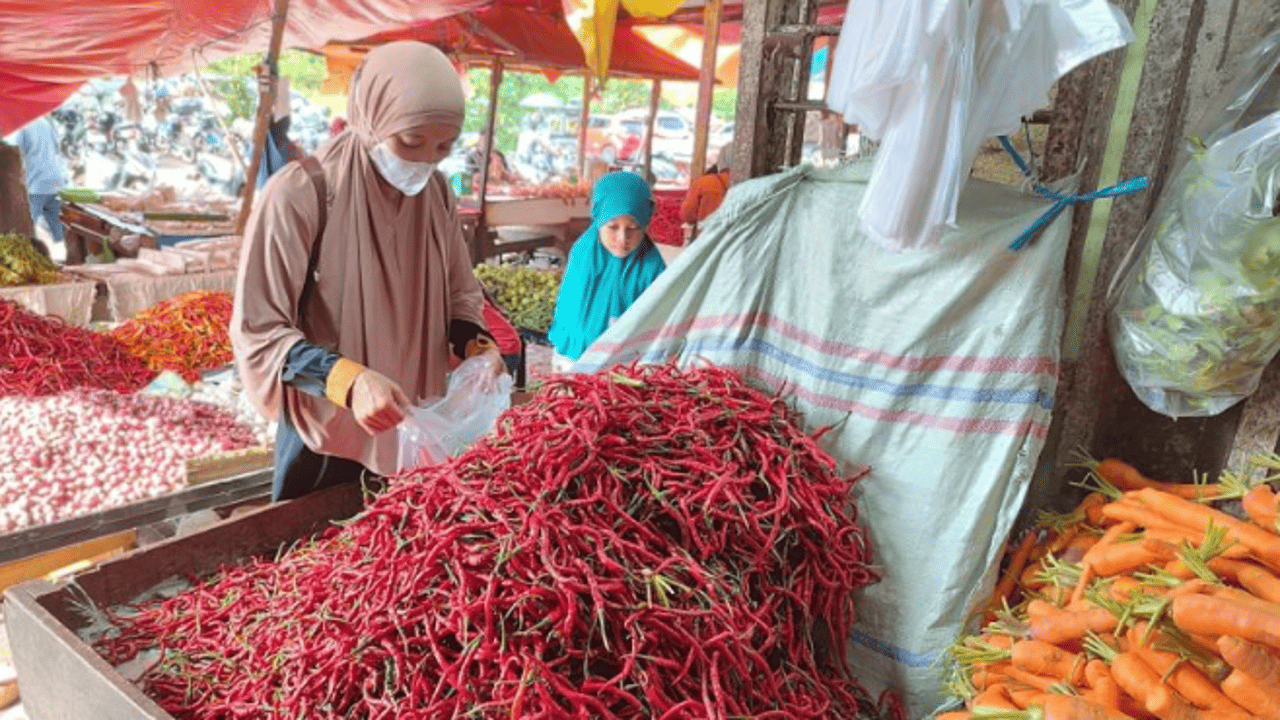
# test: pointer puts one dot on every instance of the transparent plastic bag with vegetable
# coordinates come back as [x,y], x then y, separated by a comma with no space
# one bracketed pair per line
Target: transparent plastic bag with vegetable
[474,399]
[1195,313]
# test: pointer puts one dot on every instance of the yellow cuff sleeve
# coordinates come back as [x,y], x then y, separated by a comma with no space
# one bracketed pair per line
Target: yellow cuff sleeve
[337,386]
[479,345]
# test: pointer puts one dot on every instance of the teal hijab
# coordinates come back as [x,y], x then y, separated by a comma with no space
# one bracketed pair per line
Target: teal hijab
[598,287]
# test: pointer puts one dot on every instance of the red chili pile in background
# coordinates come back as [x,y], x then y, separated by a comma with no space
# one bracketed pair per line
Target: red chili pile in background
[42,355]
[648,543]
[185,334]
[665,226]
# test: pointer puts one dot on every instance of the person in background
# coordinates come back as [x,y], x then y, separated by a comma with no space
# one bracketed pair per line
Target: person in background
[339,354]
[337,126]
[38,143]
[611,264]
[707,191]
[279,149]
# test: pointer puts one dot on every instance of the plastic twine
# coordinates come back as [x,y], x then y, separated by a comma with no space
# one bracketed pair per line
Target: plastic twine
[1061,201]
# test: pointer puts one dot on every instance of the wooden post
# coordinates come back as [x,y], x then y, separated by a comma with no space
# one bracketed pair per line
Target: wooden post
[15,212]
[648,135]
[479,243]
[582,129]
[266,101]
[706,85]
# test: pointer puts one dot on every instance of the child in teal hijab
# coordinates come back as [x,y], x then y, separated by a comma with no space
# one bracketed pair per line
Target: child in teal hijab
[609,266]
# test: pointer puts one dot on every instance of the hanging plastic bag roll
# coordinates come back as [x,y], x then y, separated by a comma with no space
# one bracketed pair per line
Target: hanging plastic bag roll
[469,410]
[1195,314]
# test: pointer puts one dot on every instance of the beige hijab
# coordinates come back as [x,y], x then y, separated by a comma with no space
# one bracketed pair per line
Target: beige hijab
[393,270]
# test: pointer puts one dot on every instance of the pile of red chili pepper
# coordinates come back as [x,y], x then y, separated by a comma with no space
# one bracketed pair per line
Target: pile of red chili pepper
[185,334]
[665,226]
[642,543]
[42,355]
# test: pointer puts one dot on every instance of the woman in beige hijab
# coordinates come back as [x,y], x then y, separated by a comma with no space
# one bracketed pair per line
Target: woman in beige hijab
[392,293]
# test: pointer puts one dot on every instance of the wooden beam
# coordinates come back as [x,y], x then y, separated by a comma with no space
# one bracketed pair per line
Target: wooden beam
[480,238]
[266,101]
[648,134]
[772,71]
[582,129]
[706,85]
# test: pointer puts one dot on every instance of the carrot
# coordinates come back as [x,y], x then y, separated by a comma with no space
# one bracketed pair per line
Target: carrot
[1039,682]
[1265,545]
[1124,586]
[1253,578]
[1127,556]
[1041,658]
[1166,704]
[1023,695]
[1091,508]
[1127,477]
[1249,694]
[1217,615]
[1257,661]
[1009,580]
[1067,707]
[995,696]
[1262,505]
[984,677]
[1040,608]
[1099,550]
[1192,684]
[954,715]
[1063,626]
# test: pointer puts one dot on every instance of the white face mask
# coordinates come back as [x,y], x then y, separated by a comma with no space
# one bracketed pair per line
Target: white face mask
[407,177]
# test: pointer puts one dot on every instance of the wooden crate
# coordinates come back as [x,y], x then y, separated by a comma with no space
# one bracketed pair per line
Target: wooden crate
[62,677]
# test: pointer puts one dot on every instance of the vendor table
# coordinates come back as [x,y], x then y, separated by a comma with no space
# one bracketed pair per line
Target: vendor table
[62,677]
[550,222]
[71,300]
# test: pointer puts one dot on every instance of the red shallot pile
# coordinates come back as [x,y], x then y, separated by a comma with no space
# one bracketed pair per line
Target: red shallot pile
[647,543]
[42,355]
[88,450]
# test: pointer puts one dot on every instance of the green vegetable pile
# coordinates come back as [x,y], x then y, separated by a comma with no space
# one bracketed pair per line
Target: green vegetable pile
[22,264]
[528,295]
[1199,317]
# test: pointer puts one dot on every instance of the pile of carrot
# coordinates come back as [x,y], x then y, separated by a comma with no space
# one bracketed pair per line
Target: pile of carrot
[643,543]
[185,334]
[1148,601]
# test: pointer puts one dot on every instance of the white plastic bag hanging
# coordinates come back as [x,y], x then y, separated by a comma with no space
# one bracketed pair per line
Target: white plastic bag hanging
[472,403]
[1196,312]
[933,79]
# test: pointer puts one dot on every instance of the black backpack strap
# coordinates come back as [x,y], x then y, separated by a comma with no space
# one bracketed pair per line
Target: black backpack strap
[312,166]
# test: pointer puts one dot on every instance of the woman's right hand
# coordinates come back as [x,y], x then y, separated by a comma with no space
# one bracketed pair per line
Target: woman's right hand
[377,402]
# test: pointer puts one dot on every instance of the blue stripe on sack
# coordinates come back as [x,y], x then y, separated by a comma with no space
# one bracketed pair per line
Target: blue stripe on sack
[860,382]
[893,652]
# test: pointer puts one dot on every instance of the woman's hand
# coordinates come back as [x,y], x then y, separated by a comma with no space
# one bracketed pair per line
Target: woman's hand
[377,402]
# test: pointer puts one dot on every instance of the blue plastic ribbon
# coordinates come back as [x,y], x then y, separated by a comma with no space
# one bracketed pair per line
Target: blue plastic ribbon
[1062,201]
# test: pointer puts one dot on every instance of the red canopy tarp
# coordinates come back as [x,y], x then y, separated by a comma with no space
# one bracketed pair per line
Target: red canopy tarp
[524,39]
[48,48]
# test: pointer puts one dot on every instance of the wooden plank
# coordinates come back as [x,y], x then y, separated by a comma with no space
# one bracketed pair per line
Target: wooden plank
[8,694]
[207,469]
[20,571]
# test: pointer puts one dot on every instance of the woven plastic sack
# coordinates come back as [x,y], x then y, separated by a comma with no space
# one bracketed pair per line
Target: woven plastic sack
[935,367]
[1195,314]
[472,403]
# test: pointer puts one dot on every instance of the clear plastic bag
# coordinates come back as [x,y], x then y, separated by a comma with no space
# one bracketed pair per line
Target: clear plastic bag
[1195,314]
[470,409]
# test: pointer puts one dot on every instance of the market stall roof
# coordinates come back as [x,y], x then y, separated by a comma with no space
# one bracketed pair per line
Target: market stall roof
[48,48]
[523,39]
